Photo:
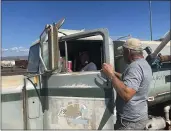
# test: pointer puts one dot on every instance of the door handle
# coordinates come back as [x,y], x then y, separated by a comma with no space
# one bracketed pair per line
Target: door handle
[167,78]
[103,79]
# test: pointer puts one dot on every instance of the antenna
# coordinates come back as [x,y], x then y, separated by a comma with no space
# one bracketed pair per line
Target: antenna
[151,33]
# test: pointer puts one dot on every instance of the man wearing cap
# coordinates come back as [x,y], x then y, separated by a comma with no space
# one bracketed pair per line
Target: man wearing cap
[131,87]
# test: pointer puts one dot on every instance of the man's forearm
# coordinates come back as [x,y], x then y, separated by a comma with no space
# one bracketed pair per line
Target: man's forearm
[120,88]
[126,93]
[119,75]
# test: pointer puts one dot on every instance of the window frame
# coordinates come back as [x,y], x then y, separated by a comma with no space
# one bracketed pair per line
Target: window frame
[106,51]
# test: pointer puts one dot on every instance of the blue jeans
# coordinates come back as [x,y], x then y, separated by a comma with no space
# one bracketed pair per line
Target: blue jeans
[128,125]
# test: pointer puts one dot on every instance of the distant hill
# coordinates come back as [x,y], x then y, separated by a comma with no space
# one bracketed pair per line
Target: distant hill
[15,58]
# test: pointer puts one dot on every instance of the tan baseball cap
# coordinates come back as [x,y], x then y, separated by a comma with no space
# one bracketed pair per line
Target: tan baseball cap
[133,44]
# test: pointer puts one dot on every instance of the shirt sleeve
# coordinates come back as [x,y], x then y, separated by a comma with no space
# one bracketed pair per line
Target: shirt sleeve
[91,67]
[133,78]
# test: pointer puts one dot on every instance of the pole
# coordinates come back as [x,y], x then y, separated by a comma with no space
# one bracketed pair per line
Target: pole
[151,33]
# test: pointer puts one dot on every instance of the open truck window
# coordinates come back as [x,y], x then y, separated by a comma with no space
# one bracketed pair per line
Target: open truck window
[71,51]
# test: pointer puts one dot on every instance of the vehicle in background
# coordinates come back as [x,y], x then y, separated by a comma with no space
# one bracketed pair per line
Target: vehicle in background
[14,64]
[21,64]
[7,63]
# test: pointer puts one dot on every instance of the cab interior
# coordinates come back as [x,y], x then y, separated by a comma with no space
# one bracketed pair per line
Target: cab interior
[95,50]
[74,47]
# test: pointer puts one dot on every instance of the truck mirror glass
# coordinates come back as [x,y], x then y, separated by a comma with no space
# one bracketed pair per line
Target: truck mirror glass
[33,59]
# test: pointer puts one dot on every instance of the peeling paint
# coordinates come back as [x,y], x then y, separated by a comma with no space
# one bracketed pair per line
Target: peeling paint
[71,113]
[78,113]
[74,113]
[73,110]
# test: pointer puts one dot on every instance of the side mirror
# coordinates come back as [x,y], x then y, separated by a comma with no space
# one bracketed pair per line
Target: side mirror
[50,52]
[33,59]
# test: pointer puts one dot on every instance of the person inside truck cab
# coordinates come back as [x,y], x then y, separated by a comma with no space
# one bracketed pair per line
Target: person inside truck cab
[85,64]
[131,87]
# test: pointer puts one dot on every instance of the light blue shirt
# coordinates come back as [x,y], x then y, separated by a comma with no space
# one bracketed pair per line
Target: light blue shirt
[138,76]
[89,67]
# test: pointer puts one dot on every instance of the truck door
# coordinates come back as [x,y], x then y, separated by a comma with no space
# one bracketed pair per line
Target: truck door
[80,100]
[162,78]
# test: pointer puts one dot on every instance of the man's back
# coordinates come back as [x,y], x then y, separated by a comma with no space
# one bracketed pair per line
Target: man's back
[138,76]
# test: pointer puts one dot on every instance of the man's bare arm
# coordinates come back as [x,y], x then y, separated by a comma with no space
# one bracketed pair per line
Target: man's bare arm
[125,92]
[119,75]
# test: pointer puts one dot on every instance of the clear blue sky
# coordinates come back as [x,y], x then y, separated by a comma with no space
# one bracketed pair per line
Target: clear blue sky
[22,22]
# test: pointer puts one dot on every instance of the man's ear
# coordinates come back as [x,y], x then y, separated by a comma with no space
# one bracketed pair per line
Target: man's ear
[129,54]
[129,51]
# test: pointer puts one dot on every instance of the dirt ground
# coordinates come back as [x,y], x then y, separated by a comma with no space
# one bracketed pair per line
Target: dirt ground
[13,71]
